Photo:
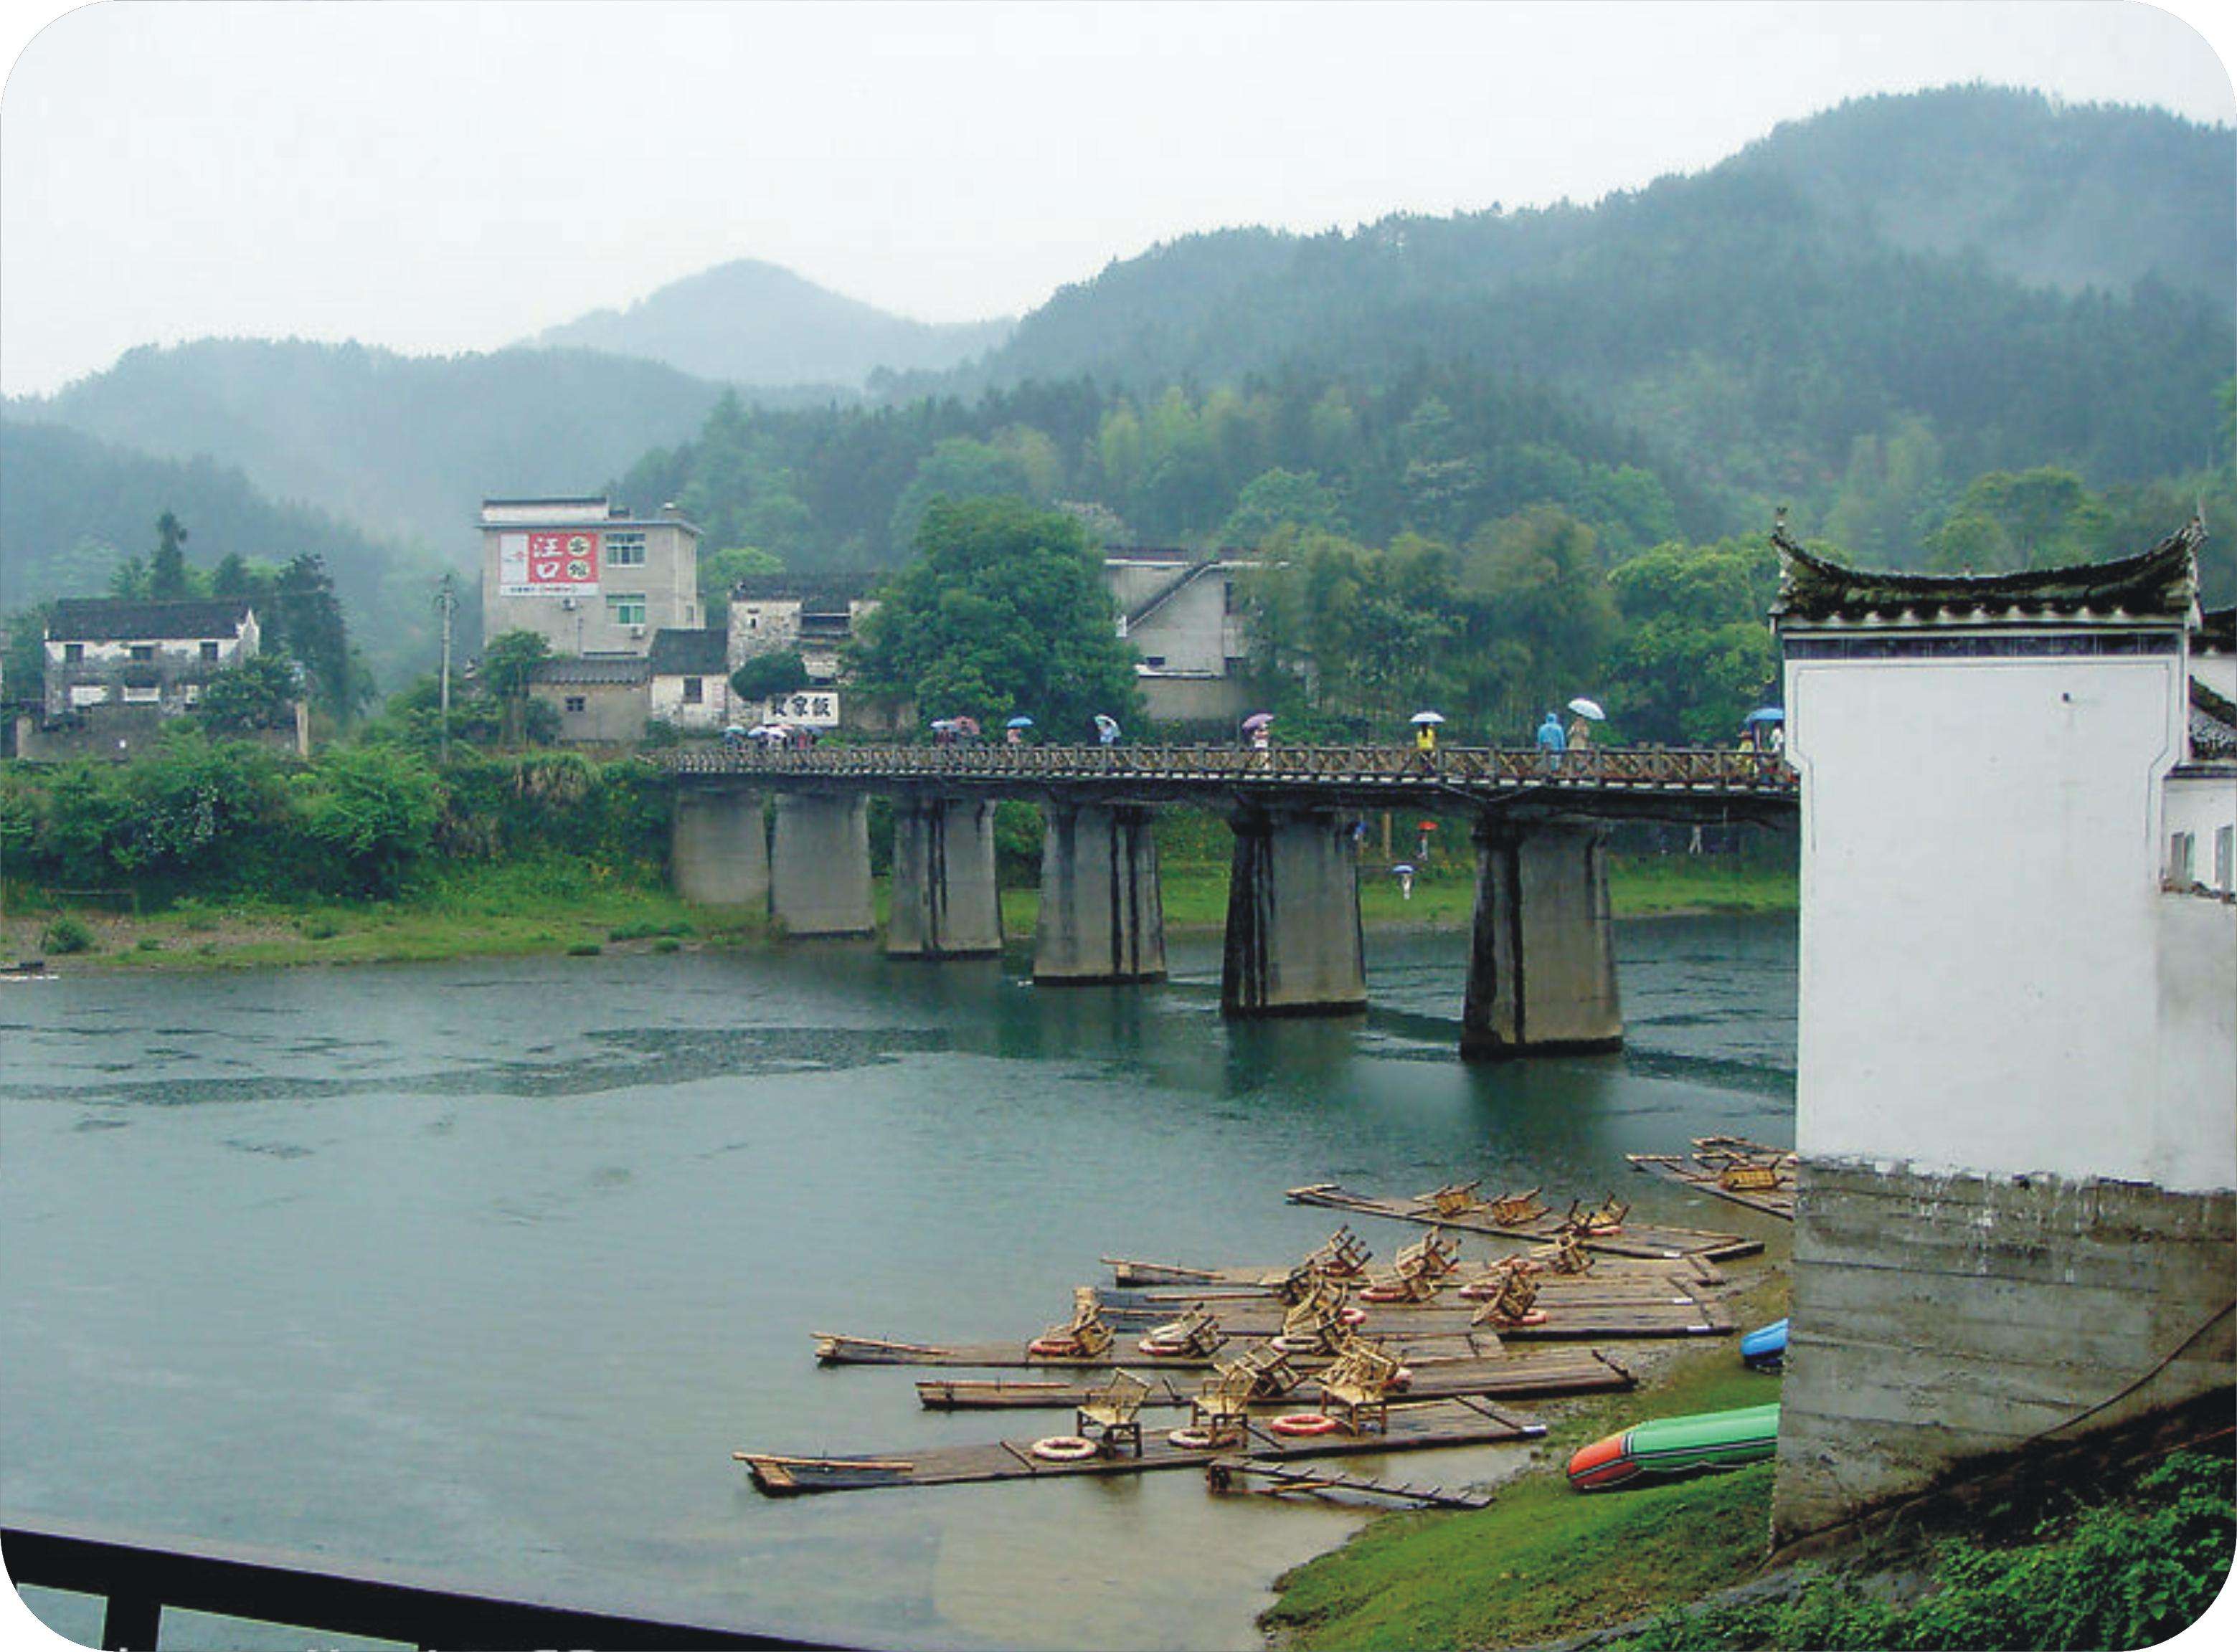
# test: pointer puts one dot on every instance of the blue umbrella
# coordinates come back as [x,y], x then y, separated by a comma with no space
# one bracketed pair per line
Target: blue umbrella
[1019,722]
[1766,715]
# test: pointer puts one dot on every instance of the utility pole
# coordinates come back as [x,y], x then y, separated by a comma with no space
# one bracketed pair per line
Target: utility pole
[448,602]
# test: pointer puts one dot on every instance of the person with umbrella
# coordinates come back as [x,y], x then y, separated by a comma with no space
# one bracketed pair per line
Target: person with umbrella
[1015,735]
[1106,730]
[1254,730]
[1425,736]
[1587,712]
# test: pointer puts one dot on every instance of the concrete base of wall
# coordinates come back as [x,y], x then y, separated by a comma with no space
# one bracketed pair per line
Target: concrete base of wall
[1293,944]
[718,852]
[1541,968]
[1939,1319]
[820,865]
[943,901]
[1102,910]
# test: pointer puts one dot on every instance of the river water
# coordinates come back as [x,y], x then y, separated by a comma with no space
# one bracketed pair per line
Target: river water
[484,1269]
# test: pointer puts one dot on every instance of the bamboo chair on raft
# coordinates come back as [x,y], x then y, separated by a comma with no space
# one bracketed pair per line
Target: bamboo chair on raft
[1316,1324]
[1195,1335]
[1084,1336]
[1454,1198]
[1418,1269]
[1517,1209]
[1355,1390]
[1223,1404]
[1608,1219]
[1513,1302]
[1112,1415]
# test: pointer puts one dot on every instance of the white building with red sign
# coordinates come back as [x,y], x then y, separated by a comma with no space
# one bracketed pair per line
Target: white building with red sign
[586,576]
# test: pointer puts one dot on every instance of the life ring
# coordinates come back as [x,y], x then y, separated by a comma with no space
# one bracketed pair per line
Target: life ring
[1054,1348]
[1481,1291]
[1199,1439]
[1385,1293]
[1158,1350]
[1170,1333]
[1535,1316]
[1065,1448]
[1305,1422]
[1402,1378]
[1353,1316]
[1289,1344]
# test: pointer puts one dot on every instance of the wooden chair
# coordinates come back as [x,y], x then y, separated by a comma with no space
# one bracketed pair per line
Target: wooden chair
[1432,1254]
[1342,1253]
[1084,1336]
[1355,1390]
[1195,1335]
[1455,1198]
[1221,1405]
[1112,1415]
[1516,1298]
[1567,1254]
[1608,1219]
[1313,1326]
[1517,1209]
[1418,1270]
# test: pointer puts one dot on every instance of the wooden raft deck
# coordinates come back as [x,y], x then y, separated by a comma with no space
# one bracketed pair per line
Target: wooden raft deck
[1413,1427]
[1727,1168]
[1237,1312]
[833,1349]
[1669,1312]
[1634,1239]
[1528,1373]
[1176,1279]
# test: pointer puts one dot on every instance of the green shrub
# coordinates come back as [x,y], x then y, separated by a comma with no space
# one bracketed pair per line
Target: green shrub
[66,935]
[584,949]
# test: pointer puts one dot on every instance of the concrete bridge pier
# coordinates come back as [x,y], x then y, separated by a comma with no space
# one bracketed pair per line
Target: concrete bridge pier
[1293,937]
[820,864]
[1102,914]
[943,901]
[1542,970]
[718,849]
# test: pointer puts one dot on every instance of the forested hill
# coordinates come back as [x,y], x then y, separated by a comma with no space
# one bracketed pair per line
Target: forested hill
[403,446]
[1899,257]
[751,323]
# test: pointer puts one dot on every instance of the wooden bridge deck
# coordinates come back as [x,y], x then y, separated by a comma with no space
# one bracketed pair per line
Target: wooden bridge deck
[1685,782]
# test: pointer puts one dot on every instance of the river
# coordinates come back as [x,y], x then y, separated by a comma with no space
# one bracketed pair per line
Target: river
[484,1269]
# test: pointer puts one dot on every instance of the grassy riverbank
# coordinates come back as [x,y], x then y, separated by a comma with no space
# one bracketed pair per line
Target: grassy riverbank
[558,904]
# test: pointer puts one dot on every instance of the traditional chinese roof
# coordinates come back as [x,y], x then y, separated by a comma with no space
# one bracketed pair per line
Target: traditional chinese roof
[2159,584]
[816,593]
[689,653]
[123,620]
[2216,632]
[623,670]
[2213,725]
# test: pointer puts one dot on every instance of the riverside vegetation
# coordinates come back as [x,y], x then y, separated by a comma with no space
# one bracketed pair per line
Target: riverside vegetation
[215,851]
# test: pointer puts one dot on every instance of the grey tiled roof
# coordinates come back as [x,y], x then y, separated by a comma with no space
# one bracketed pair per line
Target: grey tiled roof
[689,653]
[621,668]
[117,620]
[2160,583]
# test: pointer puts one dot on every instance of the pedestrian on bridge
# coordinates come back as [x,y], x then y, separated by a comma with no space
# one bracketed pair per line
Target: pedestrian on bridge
[1551,741]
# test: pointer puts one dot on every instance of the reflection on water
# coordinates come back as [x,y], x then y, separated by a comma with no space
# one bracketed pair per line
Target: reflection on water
[485,1268]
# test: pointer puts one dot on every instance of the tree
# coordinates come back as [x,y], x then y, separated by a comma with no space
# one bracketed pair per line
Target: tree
[1697,650]
[509,665]
[767,675]
[168,579]
[258,693]
[1001,611]
[374,808]
[1273,497]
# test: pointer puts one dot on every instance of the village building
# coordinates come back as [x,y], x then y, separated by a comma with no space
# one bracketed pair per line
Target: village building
[688,686]
[813,616]
[1180,613]
[586,575]
[602,700]
[2016,1094]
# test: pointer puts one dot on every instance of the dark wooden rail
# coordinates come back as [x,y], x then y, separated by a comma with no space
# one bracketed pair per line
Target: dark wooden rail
[1346,774]
[140,1577]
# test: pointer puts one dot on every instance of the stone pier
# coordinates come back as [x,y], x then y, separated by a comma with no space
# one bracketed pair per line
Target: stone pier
[820,864]
[719,849]
[1542,970]
[944,902]
[1293,937]
[1102,913]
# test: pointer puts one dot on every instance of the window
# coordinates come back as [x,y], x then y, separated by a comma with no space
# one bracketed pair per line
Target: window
[209,651]
[2224,853]
[625,550]
[2182,850]
[136,694]
[576,702]
[626,608]
[694,690]
[73,652]
[143,650]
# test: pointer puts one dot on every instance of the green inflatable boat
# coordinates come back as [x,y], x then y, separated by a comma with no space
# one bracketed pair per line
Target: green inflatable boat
[1673,1446]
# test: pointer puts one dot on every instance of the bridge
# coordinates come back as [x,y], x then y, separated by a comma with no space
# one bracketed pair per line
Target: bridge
[786,830]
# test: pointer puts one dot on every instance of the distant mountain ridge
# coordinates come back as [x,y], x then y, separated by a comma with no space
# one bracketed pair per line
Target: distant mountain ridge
[753,323]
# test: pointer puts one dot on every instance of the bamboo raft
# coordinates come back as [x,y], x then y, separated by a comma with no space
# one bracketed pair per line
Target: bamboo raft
[1632,1239]
[1413,1426]
[1526,1374]
[1179,1283]
[1285,1479]
[833,1348]
[1669,1312]
[1729,1168]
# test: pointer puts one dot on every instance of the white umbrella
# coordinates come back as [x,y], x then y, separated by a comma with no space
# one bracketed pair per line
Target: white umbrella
[1258,719]
[1102,721]
[1591,708]
[1422,717]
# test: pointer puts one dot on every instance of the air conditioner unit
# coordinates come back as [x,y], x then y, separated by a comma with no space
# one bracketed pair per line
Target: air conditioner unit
[636,631]
[567,603]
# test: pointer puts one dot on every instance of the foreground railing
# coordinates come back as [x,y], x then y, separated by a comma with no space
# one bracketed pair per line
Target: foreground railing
[139,1579]
[1465,767]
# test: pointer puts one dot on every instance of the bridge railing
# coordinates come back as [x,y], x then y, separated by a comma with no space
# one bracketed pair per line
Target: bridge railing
[1468,767]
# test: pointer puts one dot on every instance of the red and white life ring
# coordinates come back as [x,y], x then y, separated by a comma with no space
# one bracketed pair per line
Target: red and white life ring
[1305,1422]
[1289,1344]
[1353,1316]
[1402,1378]
[1199,1439]
[1387,1293]
[1157,1350]
[1065,1448]
[1054,1348]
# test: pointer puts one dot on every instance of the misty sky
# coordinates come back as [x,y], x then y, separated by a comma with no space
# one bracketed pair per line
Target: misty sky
[437,177]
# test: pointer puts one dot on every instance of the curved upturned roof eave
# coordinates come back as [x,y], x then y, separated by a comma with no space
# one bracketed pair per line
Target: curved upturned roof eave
[2160,583]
